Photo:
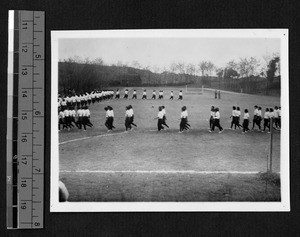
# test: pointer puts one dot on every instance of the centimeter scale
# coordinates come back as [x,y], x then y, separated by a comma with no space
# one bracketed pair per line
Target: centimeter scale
[25,120]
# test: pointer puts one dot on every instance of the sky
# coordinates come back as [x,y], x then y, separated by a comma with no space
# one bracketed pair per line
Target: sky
[161,52]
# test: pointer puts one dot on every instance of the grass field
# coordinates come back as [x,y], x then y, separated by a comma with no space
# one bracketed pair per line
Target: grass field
[146,165]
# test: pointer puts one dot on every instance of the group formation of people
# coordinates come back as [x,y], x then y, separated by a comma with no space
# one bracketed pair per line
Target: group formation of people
[70,118]
[73,99]
[73,111]
[144,95]
[272,119]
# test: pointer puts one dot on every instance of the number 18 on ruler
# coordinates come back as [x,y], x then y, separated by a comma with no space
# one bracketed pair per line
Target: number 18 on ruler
[25,130]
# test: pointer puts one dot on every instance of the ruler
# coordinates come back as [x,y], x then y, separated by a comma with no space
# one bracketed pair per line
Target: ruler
[25,124]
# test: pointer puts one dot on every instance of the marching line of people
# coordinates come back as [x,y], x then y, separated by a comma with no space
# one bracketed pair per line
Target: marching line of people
[270,114]
[144,95]
[77,100]
[70,118]
[73,112]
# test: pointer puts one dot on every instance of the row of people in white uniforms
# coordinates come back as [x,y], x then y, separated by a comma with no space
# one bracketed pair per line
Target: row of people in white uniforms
[69,118]
[270,113]
[144,95]
[84,98]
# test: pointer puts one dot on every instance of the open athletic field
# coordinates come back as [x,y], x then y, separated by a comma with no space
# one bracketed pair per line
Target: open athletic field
[146,165]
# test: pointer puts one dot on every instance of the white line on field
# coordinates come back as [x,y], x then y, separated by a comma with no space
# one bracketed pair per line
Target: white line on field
[84,138]
[159,171]
[111,134]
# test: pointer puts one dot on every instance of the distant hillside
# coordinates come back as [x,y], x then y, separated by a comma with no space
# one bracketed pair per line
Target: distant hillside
[86,77]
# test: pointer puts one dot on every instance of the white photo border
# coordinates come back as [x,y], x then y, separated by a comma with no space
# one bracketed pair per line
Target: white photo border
[283,205]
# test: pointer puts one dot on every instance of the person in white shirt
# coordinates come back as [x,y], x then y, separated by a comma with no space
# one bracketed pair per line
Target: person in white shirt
[246,121]
[87,117]
[216,122]
[63,104]
[160,119]
[160,95]
[180,95]
[61,117]
[233,117]
[126,94]
[134,95]
[153,95]
[144,97]
[98,96]
[183,118]
[89,99]
[117,94]
[238,116]
[259,118]
[73,99]
[127,119]
[132,115]
[68,100]
[266,120]
[171,95]
[110,118]
[68,118]
[83,121]
[271,119]
[164,117]
[107,120]
[77,97]
[72,115]
[79,117]
[255,114]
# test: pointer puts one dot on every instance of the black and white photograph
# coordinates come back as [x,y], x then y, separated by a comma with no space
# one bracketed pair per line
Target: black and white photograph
[170,120]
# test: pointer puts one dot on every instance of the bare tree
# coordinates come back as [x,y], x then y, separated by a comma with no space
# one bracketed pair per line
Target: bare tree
[232,64]
[136,64]
[248,66]
[190,69]
[210,67]
[173,67]
[202,66]
[87,60]
[180,67]
[98,61]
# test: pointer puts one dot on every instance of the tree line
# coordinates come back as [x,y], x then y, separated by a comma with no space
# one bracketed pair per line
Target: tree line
[84,74]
